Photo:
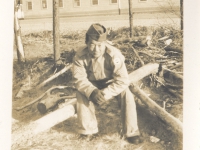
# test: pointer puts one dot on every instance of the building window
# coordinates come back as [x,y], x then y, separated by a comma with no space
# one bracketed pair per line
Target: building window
[77,3]
[113,1]
[44,4]
[142,0]
[19,2]
[29,6]
[60,3]
[95,2]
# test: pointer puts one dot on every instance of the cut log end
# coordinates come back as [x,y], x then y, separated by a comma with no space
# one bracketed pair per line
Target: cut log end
[41,108]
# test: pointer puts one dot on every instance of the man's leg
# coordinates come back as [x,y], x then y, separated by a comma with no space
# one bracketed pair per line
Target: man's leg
[128,114]
[86,115]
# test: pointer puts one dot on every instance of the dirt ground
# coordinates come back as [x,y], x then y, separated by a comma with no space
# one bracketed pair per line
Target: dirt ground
[39,66]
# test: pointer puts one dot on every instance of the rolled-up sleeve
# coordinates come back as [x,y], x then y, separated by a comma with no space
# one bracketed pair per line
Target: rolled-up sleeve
[82,83]
[120,78]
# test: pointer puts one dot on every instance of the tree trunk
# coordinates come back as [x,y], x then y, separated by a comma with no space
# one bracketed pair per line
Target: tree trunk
[173,122]
[181,12]
[20,49]
[56,34]
[131,17]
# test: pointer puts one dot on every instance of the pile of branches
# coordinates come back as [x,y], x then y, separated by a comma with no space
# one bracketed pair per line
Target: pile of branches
[162,45]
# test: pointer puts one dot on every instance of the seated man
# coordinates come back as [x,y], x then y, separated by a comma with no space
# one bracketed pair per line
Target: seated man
[100,74]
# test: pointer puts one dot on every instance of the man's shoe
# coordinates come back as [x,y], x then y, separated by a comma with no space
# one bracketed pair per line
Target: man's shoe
[135,140]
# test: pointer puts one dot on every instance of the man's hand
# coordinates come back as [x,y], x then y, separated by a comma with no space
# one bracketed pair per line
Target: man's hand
[97,97]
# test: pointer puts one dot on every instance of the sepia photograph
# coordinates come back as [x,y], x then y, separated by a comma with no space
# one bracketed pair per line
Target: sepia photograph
[97,75]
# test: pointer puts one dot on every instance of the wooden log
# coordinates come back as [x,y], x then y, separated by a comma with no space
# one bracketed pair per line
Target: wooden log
[55,75]
[143,72]
[153,57]
[27,132]
[50,102]
[173,122]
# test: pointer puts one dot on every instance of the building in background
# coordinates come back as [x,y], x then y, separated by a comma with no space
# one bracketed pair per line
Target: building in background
[43,8]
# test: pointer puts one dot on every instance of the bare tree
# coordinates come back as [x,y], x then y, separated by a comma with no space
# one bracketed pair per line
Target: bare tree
[181,10]
[131,17]
[56,34]
[18,40]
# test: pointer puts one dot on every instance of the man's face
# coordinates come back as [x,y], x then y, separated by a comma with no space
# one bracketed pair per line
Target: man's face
[95,48]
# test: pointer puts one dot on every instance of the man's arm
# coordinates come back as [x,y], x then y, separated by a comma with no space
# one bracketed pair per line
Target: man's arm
[82,83]
[120,78]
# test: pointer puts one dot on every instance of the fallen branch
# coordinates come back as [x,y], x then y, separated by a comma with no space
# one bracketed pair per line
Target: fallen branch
[55,75]
[173,122]
[176,66]
[26,86]
[136,53]
[164,38]
[175,93]
[154,57]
